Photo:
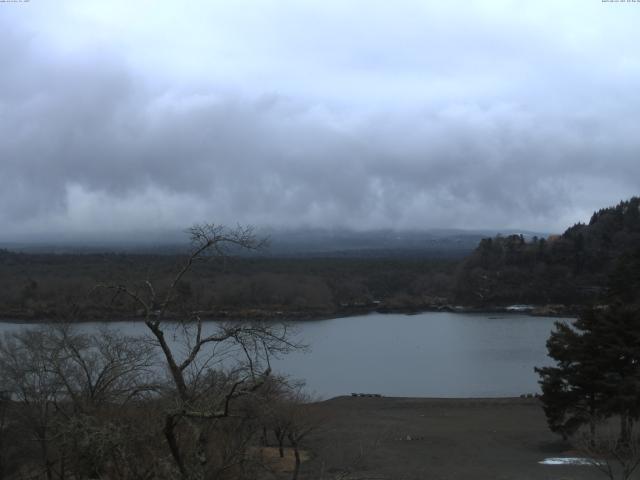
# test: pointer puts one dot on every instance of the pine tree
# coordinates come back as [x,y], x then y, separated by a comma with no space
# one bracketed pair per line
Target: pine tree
[620,360]
[597,374]
[624,281]
[573,392]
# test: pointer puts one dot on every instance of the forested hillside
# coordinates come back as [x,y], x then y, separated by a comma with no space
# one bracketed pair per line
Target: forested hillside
[572,268]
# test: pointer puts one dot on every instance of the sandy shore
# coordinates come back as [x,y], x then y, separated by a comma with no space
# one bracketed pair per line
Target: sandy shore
[416,438]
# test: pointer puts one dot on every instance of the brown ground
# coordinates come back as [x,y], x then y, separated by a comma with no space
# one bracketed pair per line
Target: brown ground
[406,439]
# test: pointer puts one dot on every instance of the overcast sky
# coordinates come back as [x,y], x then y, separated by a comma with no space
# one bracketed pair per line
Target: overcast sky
[130,116]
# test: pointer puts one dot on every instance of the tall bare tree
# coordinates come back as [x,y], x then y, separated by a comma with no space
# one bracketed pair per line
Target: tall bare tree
[184,401]
[210,366]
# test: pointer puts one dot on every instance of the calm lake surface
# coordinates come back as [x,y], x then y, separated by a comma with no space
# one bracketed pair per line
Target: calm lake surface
[434,354]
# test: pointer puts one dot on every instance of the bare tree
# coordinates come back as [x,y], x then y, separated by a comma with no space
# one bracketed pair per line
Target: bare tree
[200,393]
[604,450]
[69,389]
[101,376]
[99,369]
[291,416]
[28,380]
[185,401]
[5,399]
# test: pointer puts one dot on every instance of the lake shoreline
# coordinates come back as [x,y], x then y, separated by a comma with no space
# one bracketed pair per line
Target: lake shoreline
[567,311]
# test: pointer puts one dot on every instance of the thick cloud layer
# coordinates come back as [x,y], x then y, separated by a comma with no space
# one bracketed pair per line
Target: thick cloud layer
[120,117]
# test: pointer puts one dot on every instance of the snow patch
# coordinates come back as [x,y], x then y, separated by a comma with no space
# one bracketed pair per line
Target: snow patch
[568,461]
[519,308]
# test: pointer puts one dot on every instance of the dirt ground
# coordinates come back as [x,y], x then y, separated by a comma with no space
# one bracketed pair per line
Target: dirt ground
[406,439]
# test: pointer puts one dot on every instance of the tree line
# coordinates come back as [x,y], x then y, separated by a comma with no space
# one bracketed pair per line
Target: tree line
[46,286]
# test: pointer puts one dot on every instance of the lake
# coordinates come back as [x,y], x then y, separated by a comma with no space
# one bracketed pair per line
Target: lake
[433,354]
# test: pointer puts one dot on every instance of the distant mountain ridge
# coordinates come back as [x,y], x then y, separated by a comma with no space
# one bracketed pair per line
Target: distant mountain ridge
[453,243]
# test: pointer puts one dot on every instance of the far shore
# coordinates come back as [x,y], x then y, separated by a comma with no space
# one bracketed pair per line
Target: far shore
[568,311]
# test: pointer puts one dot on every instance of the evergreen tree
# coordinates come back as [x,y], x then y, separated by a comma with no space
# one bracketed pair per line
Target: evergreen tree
[620,360]
[573,391]
[624,282]
[597,374]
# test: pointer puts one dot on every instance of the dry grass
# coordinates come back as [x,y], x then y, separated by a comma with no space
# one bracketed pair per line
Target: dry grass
[270,457]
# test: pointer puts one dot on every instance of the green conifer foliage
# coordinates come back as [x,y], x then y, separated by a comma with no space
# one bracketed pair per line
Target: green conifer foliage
[597,372]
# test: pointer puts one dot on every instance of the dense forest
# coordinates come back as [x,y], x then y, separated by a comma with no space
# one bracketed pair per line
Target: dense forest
[39,286]
[568,269]
[558,274]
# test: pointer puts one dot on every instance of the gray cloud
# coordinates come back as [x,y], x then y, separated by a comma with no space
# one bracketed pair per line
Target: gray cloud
[315,114]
